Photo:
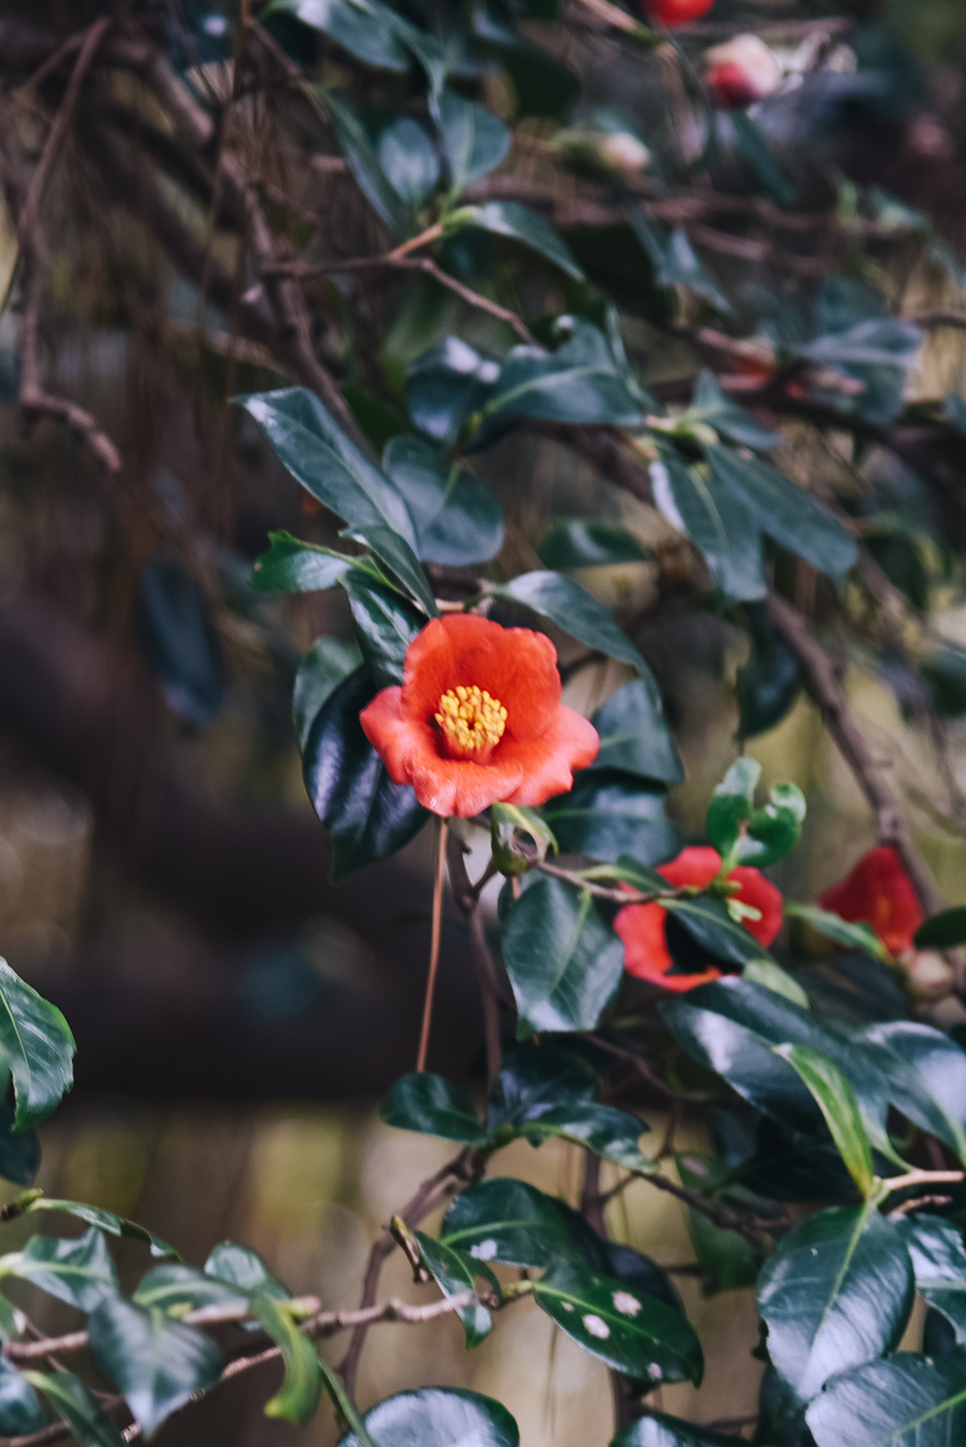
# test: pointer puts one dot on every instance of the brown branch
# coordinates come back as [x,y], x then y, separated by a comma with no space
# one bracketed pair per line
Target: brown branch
[938,319]
[754,1230]
[492,988]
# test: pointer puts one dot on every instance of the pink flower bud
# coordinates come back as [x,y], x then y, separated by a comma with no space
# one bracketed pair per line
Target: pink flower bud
[741,73]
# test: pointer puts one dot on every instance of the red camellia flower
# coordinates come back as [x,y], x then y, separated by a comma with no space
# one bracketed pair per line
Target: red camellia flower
[676,12]
[878,893]
[478,719]
[741,72]
[643,927]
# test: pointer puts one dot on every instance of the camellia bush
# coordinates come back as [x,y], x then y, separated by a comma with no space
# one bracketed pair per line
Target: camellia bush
[559,198]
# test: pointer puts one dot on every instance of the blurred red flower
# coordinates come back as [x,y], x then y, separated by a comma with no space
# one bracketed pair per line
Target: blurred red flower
[478,719]
[878,893]
[676,12]
[643,927]
[741,72]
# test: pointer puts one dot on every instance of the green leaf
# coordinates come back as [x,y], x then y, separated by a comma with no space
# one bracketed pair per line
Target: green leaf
[773,977]
[453,1275]
[837,1103]
[563,963]
[19,1150]
[368,816]
[774,830]
[877,342]
[363,161]
[293,566]
[344,1405]
[474,141]
[298,1397]
[327,664]
[583,381]
[611,1134]
[77,1408]
[408,158]
[630,1331]
[732,804]
[905,1401]
[634,734]
[105,1221]
[78,1270]
[506,1220]
[944,931]
[509,218]
[20,1411]
[446,386]
[573,609]
[675,261]
[837,1293]
[431,1105]
[606,814]
[242,1267]
[954,410]
[709,922]
[659,1430]
[361,27]
[768,685]
[788,514]
[458,521]
[442,1416]
[752,143]
[156,1363]
[710,405]
[843,932]
[542,85]
[519,837]
[925,1074]
[39,1047]
[939,1264]
[176,1289]
[716,522]
[583,543]
[321,457]
[386,623]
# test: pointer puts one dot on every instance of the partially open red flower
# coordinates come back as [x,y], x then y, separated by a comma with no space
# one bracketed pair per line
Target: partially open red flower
[741,72]
[478,719]
[878,893]
[676,12]
[643,927]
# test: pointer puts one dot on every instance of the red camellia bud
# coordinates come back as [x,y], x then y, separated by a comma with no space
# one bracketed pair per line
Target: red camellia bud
[878,893]
[676,12]
[741,73]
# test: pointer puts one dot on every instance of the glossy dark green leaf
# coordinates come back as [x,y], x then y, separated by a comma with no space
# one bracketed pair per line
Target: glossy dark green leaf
[379,420]
[751,142]
[105,1221]
[362,158]
[519,837]
[836,1293]
[905,1401]
[612,1134]
[925,1074]
[573,609]
[843,932]
[582,381]
[433,1106]
[78,1270]
[321,457]
[20,1411]
[954,410]
[534,1077]
[626,1264]
[77,1407]
[659,1430]
[768,685]
[837,1103]
[542,84]
[474,140]
[563,963]
[39,1047]
[386,623]
[408,158]
[519,223]
[368,816]
[19,1150]
[242,1267]
[454,1275]
[293,566]
[631,1332]
[442,1416]
[505,1220]
[877,342]
[787,513]
[176,1289]
[607,814]
[773,977]
[181,642]
[583,543]
[732,421]
[709,922]
[939,1264]
[359,26]
[944,931]
[328,662]
[156,1363]
[634,734]
[458,521]
[675,261]
[732,805]
[446,386]
[716,522]
[298,1397]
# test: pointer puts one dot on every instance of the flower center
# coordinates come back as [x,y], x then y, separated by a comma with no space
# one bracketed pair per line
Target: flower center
[471,722]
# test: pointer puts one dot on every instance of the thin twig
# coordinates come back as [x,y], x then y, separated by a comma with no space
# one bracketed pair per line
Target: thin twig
[438,883]
[492,992]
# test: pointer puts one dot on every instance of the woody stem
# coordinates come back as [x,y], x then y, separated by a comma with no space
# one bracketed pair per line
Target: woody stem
[434,944]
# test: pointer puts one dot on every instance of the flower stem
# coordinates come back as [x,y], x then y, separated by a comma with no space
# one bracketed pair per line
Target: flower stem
[434,944]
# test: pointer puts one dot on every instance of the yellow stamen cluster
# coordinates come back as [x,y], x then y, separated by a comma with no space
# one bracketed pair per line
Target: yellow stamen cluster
[471,721]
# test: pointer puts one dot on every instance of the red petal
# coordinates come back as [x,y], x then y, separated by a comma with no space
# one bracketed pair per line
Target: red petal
[391,735]
[761,894]
[697,865]
[642,927]
[878,893]
[456,787]
[548,762]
